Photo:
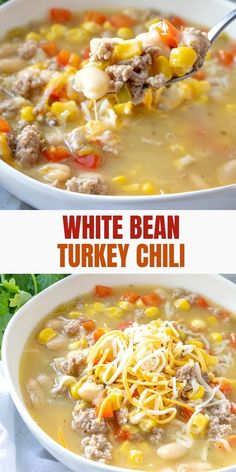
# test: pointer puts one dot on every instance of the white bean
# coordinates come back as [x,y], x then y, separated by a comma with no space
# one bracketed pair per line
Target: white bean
[152,38]
[90,391]
[59,343]
[54,323]
[93,82]
[172,451]
[55,172]
[228,170]
[12,65]
[35,392]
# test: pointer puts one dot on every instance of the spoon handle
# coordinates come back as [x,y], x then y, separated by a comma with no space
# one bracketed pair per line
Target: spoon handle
[217,29]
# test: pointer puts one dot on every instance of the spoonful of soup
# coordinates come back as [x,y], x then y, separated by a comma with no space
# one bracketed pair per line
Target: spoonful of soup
[161,56]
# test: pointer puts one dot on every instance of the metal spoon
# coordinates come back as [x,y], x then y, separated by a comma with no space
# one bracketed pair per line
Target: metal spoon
[212,35]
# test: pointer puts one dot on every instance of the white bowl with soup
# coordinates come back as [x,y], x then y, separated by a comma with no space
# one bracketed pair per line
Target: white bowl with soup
[174,150]
[137,372]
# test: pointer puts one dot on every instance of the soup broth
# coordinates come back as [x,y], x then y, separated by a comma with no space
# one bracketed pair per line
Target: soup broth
[139,377]
[179,138]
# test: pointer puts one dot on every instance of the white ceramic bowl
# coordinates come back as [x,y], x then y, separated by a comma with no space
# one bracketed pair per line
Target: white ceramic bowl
[41,196]
[22,324]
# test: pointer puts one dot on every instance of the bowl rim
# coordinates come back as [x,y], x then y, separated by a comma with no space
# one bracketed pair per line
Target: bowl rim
[39,433]
[74,197]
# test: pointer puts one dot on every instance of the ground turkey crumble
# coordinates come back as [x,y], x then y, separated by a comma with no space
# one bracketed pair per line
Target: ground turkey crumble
[85,421]
[93,184]
[28,145]
[97,447]
[220,421]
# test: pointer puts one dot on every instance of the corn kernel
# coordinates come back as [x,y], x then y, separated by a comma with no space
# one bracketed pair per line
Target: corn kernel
[27,114]
[99,307]
[148,98]
[114,312]
[74,314]
[123,108]
[139,303]
[76,35]
[162,66]
[136,456]
[230,107]
[74,390]
[58,31]
[210,360]
[91,27]
[46,335]
[33,36]
[152,21]
[197,395]
[182,304]
[151,311]
[195,342]
[75,345]
[148,188]
[198,324]
[115,396]
[125,33]
[132,188]
[127,50]
[66,110]
[120,180]
[147,425]
[107,26]
[212,320]
[5,151]
[126,306]
[199,426]
[182,60]
[216,337]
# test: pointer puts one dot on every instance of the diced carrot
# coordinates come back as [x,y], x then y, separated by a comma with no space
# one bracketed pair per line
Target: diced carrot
[225,385]
[102,291]
[130,297]
[50,48]
[151,299]
[4,126]
[121,20]
[89,325]
[60,15]
[168,33]
[232,440]
[63,57]
[58,94]
[125,324]
[107,412]
[226,58]
[202,302]
[96,360]
[223,314]
[177,21]
[95,16]
[98,333]
[199,75]
[123,435]
[74,61]
[58,154]
[90,161]
[186,414]
[86,53]
[233,408]
[232,338]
